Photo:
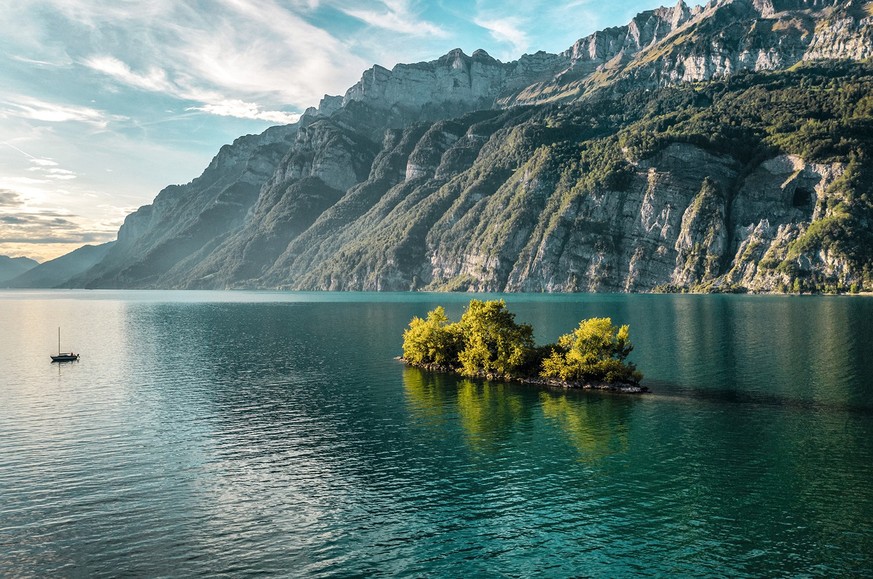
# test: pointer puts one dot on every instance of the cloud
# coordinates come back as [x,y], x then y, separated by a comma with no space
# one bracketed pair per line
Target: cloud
[244,110]
[262,52]
[507,30]
[265,52]
[31,108]
[396,16]
[154,80]
[9,198]
[60,174]
[49,170]
[46,227]
[36,219]
[79,240]
[43,162]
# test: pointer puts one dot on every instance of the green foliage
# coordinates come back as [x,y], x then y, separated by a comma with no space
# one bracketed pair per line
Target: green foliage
[432,341]
[845,230]
[596,350]
[494,343]
[821,112]
[487,341]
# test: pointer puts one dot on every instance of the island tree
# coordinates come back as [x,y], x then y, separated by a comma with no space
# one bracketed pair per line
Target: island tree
[596,350]
[487,341]
[493,342]
[433,341]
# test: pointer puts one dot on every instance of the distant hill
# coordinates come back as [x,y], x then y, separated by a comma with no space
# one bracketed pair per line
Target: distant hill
[58,271]
[11,267]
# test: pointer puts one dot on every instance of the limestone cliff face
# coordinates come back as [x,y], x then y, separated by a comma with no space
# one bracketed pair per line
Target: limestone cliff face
[451,85]
[779,202]
[672,226]
[672,45]
[430,176]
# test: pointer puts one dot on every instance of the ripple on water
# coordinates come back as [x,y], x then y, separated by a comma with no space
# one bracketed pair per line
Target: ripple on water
[282,438]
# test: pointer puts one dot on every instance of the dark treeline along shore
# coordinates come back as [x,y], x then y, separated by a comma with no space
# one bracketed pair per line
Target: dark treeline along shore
[488,343]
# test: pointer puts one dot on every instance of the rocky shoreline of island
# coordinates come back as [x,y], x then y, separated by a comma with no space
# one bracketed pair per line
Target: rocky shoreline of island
[620,387]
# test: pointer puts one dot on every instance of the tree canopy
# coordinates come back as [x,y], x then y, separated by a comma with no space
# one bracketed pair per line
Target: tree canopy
[493,342]
[488,341]
[596,350]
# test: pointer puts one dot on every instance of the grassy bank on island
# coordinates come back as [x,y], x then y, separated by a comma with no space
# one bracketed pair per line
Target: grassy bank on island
[488,343]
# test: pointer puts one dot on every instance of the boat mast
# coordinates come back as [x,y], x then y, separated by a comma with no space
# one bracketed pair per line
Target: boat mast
[59,340]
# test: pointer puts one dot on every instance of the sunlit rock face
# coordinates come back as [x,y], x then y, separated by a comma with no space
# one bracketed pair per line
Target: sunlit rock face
[467,173]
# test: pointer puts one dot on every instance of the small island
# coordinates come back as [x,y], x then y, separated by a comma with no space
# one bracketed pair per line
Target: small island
[488,343]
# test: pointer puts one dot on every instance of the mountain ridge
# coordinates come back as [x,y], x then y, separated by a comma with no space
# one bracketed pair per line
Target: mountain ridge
[12,267]
[416,177]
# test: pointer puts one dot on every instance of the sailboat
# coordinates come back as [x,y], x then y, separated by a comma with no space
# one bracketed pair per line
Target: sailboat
[63,356]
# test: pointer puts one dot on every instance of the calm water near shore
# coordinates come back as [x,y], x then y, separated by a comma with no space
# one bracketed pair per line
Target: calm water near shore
[257,432]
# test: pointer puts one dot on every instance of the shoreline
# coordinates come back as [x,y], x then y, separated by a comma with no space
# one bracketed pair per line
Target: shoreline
[619,387]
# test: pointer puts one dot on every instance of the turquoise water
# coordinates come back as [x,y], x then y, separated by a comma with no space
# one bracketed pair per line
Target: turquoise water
[273,433]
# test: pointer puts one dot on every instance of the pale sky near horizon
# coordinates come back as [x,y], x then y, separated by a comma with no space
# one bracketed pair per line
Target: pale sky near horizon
[103,103]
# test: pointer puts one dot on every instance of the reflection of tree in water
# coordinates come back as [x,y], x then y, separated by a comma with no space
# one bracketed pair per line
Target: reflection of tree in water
[488,413]
[597,427]
[427,394]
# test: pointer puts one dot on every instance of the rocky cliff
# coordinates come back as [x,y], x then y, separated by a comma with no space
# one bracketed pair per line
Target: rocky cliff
[719,148]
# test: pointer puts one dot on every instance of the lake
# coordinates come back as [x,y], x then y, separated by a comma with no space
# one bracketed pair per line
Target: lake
[245,433]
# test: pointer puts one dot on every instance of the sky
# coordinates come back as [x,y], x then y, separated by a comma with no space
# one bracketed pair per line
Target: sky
[103,103]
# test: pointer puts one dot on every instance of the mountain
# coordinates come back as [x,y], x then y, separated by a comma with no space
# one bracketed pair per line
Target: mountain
[188,221]
[717,148]
[59,271]
[11,267]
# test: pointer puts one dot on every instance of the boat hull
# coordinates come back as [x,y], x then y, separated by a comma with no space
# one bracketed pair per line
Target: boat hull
[65,358]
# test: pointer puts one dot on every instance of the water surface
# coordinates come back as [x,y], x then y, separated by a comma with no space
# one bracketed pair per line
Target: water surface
[256,432]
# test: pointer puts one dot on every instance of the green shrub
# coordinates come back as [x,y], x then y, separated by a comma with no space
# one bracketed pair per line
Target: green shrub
[596,350]
[493,343]
[432,341]
[488,341]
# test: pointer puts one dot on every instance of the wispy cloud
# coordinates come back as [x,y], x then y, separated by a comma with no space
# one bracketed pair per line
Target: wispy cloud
[43,162]
[396,16]
[244,110]
[41,63]
[55,173]
[46,227]
[27,107]
[507,30]
[260,52]
[48,170]
[154,80]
